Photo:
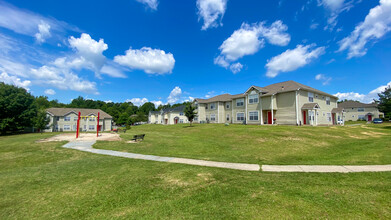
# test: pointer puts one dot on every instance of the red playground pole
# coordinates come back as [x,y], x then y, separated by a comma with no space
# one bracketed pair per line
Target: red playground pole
[78,124]
[97,127]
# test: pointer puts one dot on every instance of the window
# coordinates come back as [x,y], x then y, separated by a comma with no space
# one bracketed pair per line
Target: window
[361,117]
[196,119]
[85,127]
[75,119]
[57,118]
[227,117]
[91,118]
[328,116]
[74,128]
[67,118]
[213,117]
[253,99]
[240,116]
[91,127]
[181,113]
[206,106]
[310,97]
[327,100]
[212,106]
[181,121]
[228,106]
[253,116]
[360,109]
[239,102]
[67,127]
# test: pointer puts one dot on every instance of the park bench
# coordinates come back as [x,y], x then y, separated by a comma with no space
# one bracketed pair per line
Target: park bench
[138,137]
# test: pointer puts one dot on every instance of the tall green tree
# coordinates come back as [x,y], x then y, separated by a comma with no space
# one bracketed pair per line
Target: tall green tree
[190,113]
[42,120]
[17,108]
[385,102]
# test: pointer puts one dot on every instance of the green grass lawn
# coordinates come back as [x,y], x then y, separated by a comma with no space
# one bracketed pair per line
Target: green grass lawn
[46,181]
[356,145]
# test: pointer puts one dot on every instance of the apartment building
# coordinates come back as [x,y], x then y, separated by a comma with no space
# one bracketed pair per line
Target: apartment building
[360,111]
[168,116]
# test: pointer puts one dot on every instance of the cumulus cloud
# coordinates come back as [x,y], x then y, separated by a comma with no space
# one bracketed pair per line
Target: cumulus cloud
[376,24]
[157,103]
[366,98]
[291,60]
[151,61]
[175,95]
[43,32]
[321,77]
[50,92]
[249,39]
[152,4]
[137,101]
[13,80]
[211,12]
[236,67]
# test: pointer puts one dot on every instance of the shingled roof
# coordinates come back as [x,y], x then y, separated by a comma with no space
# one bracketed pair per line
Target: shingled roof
[354,104]
[83,112]
[180,108]
[220,98]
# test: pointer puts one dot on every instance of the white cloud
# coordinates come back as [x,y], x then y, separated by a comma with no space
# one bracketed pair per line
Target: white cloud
[236,67]
[376,24]
[43,32]
[50,92]
[90,51]
[137,101]
[175,95]
[150,3]
[108,101]
[112,71]
[152,61]
[249,39]
[211,12]
[334,8]
[291,60]
[13,80]
[313,26]
[157,103]
[326,80]
[366,98]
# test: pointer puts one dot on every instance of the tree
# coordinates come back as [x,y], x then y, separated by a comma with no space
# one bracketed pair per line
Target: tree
[190,113]
[147,107]
[385,102]
[17,108]
[42,120]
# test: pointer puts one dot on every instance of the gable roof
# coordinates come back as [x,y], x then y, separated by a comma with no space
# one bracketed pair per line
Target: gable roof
[220,98]
[312,105]
[180,108]
[354,104]
[83,112]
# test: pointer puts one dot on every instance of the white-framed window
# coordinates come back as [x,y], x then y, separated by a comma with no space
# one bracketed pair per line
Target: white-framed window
[91,119]
[228,106]
[328,116]
[181,113]
[239,102]
[195,119]
[360,109]
[213,117]
[181,121]
[227,117]
[85,127]
[327,100]
[253,99]
[206,106]
[91,127]
[67,127]
[362,117]
[74,128]
[310,97]
[240,116]
[67,118]
[253,116]
[352,116]
[212,106]
[75,119]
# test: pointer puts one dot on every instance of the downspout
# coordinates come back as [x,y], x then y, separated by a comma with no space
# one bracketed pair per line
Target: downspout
[232,109]
[272,110]
[260,103]
[245,99]
[218,112]
[297,108]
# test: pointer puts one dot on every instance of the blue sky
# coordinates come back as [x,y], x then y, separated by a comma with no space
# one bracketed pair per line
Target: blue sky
[168,51]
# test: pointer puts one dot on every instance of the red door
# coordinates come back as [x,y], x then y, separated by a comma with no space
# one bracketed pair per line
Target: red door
[176,121]
[269,118]
[304,118]
[333,116]
[369,117]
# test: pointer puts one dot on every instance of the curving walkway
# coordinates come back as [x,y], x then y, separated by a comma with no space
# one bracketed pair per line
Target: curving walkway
[87,147]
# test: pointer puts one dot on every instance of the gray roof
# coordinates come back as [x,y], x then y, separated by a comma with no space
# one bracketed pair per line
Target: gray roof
[180,108]
[272,89]
[354,104]
[312,105]
[337,110]
[83,112]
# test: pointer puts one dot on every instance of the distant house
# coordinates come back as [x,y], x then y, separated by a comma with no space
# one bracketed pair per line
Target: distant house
[65,119]
[286,103]
[168,116]
[360,111]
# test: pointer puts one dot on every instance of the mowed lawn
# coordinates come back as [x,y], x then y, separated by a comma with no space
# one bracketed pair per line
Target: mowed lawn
[46,181]
[355,145]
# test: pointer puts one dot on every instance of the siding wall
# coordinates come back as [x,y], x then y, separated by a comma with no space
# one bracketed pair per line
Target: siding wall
[353,113]
[286,113]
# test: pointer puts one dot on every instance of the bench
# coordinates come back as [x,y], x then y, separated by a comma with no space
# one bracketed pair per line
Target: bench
[138,137]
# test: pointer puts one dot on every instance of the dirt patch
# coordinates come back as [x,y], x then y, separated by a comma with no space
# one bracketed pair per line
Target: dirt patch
[372,134]
[291,139]
[83,137]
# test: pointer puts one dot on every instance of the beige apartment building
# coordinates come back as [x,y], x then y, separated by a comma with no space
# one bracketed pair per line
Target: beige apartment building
[285,103]
[65,119]
[168,116]
[360,111]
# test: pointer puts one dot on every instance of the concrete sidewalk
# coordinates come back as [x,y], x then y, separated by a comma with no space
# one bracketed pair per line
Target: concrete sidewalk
[87,147]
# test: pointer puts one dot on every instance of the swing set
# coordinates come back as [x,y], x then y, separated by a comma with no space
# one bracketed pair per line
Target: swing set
[87,117]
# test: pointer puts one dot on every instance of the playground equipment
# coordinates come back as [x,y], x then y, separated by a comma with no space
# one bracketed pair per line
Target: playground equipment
[87,117]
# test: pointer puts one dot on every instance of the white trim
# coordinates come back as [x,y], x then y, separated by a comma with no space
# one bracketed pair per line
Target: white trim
[272,110]
[253,102]
[253,111]
[232,111]
[218,108]
[297,109]
[260,103]
[236,101]
[244,116]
